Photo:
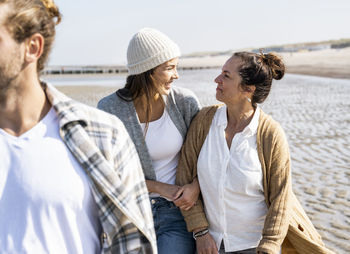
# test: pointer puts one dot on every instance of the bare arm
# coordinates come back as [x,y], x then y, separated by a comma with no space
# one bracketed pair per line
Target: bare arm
[169,191]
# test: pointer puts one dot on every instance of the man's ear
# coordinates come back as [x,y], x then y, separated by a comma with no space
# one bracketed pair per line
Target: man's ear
[34,47]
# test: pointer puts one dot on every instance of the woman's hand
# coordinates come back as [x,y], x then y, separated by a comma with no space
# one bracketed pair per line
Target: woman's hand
[169,191]
[206,245]
[189,195]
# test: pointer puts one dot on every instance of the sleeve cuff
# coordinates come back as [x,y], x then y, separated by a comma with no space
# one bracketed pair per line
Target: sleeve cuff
[269,246]
[195,218]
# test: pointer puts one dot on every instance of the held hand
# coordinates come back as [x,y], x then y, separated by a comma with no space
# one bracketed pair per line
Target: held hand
[206,245]
[170,191]
[189,196]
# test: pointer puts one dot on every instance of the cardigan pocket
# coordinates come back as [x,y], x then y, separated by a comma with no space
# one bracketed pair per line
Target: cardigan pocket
[302,225]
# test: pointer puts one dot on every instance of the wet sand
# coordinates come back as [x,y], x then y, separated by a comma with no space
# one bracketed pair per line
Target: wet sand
[316,120]
[87,94]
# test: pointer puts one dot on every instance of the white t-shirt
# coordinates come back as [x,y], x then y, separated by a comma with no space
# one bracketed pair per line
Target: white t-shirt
[46,204]
[231,185]
[164,142]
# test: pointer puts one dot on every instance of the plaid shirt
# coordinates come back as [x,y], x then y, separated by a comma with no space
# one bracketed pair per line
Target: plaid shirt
[101,144]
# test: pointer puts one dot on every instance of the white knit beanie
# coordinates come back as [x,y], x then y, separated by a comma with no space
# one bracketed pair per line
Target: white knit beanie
[149,48]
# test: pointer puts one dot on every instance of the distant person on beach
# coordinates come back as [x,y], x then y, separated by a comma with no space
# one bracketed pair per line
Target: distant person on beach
[241,158]
[157,116]
[70,177]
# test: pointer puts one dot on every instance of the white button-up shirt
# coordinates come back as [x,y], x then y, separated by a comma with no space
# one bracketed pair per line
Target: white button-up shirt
[231,185]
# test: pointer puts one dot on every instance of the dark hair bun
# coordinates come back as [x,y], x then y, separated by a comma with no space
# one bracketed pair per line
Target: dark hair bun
[276,65]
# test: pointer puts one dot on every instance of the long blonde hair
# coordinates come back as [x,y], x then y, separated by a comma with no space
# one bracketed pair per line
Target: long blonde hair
[27,17]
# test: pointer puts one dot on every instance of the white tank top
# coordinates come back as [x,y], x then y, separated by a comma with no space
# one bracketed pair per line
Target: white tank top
[164,143]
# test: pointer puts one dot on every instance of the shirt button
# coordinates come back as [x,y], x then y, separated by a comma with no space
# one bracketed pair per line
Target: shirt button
[103,238]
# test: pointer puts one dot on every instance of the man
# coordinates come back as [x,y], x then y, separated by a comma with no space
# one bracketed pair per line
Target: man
[70,178]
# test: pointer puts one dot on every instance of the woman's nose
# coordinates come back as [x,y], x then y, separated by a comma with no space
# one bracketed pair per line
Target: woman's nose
[217,79]
[176,74]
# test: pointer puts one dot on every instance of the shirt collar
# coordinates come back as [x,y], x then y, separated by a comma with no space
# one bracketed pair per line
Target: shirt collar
[252,127]
[66,108]
[222,116]
[249,130]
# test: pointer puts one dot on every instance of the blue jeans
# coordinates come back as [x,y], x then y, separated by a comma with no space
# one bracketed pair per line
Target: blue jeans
[170,227]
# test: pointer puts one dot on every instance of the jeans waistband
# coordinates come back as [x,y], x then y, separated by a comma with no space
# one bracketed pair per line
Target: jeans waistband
[161,201]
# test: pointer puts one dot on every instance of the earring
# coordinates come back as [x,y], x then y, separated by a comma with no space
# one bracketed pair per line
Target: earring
[248,99]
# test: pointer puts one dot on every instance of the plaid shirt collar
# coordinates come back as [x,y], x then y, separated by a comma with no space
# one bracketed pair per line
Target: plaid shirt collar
[64,106]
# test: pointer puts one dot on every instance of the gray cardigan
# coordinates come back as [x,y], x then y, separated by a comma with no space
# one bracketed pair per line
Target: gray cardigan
[182,106]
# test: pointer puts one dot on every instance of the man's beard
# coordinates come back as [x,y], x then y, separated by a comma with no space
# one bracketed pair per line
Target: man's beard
[10,71]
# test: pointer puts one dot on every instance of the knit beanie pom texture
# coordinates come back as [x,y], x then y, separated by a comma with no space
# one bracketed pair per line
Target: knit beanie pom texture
[149,48]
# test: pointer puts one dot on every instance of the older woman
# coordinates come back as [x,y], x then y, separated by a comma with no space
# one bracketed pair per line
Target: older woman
[241,158]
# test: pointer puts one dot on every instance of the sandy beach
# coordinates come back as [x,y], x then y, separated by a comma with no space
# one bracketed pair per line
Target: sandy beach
[334,63]
[315,114]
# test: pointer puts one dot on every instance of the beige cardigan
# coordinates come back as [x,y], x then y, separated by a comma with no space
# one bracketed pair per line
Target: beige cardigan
[286,222]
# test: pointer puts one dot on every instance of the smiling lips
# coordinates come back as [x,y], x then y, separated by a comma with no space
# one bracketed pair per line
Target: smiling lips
[168,85]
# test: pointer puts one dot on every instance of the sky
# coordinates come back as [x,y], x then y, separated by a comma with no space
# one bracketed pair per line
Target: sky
[97,32]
